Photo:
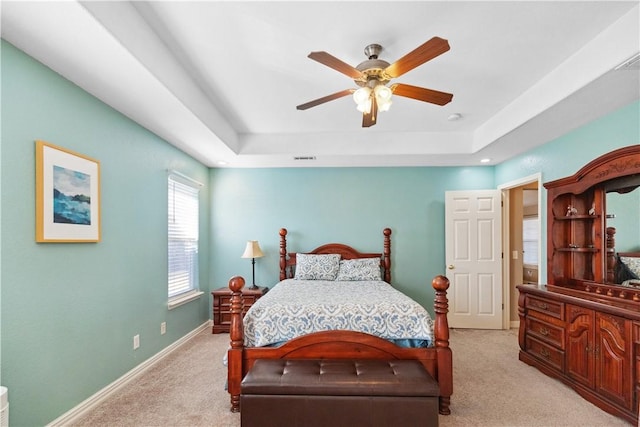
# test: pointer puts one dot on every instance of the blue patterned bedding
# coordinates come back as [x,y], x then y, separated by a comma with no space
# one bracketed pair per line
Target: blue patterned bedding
[297,307]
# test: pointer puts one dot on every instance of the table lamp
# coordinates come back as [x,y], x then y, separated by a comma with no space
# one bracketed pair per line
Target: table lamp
[253,251]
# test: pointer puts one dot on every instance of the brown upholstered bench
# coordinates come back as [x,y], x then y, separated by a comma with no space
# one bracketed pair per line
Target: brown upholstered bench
[327,392]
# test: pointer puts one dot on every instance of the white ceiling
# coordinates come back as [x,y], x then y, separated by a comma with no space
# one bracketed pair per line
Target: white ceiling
[221,79]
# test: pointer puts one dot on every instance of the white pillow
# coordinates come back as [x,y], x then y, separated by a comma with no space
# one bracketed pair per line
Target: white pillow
[360,269]
[317,267]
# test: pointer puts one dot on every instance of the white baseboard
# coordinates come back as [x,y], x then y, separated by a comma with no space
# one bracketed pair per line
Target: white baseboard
[80,410]
[514,324]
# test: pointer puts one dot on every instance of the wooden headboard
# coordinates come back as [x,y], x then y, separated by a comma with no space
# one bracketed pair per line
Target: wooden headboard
[630,254]
[288,259]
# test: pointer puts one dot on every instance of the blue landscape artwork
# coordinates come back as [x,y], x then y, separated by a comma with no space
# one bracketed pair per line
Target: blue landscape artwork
[71,196]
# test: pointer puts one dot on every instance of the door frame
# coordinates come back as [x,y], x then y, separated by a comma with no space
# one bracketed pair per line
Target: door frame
[506,247]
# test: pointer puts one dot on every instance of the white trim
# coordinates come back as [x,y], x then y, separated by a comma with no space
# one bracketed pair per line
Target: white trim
[181,299]
[84,407]
[186,180]
[521,181]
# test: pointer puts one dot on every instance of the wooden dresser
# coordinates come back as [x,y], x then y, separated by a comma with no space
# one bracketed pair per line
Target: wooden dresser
[222,306]
[590,345]
[581,327]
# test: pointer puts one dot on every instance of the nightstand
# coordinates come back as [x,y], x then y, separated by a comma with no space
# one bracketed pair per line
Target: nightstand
[222,306]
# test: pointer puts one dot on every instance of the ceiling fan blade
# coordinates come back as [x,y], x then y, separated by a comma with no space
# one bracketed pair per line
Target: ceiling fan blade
[325,99]
[338,65]
[369,119]
[421,94]
[426,52]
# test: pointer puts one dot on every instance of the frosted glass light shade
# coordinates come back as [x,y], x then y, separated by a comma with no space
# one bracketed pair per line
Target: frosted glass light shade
[383,93]
[361,95]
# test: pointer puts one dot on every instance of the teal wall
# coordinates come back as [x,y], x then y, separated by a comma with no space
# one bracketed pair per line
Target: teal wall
[69,311]
[322,205]
[564,156]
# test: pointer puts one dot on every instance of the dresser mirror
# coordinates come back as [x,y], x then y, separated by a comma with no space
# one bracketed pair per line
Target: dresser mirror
[622,222]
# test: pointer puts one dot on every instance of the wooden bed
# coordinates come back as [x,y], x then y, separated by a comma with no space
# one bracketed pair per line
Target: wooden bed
[341,344]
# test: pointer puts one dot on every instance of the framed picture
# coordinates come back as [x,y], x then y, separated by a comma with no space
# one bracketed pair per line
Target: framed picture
[67,195]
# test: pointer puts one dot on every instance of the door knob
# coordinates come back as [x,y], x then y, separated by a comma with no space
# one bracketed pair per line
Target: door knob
[451,267]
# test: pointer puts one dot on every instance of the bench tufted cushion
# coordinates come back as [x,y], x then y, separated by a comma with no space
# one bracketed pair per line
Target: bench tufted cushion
[340,378]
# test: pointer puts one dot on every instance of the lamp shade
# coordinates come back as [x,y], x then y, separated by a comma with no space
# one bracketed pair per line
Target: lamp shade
[252,250]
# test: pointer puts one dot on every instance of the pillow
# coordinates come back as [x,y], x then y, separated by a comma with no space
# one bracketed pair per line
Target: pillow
[317,267]
[633,263]
[360,269]
[623,272]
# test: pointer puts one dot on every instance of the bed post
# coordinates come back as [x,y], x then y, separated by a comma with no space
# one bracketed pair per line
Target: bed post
[283,254]
[387,254]
[445,363]
[611,254]
[236,337]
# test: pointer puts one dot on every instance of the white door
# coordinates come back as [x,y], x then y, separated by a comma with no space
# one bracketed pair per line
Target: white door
[474,258]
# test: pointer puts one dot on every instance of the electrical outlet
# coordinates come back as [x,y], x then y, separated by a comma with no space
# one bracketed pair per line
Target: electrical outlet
[163,328]
[136,342]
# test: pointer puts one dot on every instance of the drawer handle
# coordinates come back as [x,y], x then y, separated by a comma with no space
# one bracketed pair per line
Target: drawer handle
[543,306]
[544,331]
[545,353]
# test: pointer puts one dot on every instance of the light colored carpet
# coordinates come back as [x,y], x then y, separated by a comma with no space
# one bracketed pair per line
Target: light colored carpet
[491,388]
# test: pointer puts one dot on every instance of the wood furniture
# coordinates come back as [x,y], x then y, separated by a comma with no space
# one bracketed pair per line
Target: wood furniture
[581,328]
[349,393]
[340,344]
[222,306]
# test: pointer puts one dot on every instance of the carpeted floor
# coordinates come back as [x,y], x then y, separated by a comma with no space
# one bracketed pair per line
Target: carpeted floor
[491,388]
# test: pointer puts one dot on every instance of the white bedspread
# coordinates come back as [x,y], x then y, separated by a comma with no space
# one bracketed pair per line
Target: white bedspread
[297,307]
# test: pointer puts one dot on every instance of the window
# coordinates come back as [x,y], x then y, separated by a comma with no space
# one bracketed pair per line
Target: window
[530,226]
[183,233]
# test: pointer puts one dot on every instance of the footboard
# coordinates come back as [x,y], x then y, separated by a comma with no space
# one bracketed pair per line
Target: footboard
[343,345]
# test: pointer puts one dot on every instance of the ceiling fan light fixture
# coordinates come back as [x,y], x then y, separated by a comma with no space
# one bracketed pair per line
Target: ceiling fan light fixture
[383,93]
[384,106]
[365,107]
[383,97]
[362,97]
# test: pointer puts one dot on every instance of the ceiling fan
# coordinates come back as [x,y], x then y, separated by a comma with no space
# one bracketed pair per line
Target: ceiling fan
[373,75]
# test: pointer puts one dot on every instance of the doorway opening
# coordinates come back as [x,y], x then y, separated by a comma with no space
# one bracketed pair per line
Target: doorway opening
[522,237]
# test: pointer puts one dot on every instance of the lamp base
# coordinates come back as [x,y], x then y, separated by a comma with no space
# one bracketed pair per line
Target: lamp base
[253,287]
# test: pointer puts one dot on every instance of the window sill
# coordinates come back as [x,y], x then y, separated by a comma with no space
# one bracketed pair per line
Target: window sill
[183,299]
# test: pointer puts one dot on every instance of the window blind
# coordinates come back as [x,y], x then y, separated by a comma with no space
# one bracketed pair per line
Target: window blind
[530,240]
[183,230]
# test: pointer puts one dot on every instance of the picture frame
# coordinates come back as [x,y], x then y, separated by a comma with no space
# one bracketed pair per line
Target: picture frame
[67,195]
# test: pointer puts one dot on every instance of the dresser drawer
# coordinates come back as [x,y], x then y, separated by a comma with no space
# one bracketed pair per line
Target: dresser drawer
[225,302]
[550,355]
[550,308]
[225,315]
[551,334]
